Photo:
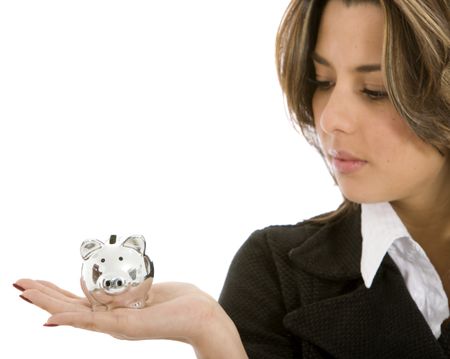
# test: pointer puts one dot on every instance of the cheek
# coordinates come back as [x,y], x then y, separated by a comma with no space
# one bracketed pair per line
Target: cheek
[394,140]
[403,157]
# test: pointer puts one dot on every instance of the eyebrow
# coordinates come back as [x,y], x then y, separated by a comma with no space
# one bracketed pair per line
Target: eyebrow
[361,68]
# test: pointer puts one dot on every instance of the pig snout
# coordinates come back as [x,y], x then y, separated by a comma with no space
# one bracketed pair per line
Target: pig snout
[114,285]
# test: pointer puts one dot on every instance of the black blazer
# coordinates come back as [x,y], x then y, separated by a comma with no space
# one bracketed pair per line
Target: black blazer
[296,291]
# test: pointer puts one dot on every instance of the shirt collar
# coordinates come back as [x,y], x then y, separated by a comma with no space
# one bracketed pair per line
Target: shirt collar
[380,227]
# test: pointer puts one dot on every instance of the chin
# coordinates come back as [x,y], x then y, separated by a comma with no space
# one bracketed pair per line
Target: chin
[363,196]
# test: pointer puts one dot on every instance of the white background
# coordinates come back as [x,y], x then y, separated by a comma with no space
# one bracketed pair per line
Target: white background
[162,118]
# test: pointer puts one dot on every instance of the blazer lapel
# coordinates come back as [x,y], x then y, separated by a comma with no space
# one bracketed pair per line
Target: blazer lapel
[340,315]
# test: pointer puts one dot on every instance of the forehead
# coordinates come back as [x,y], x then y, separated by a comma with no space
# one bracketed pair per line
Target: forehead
[351,34]
[113,250]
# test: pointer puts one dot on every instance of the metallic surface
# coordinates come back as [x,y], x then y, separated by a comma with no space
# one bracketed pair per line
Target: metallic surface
[116,275]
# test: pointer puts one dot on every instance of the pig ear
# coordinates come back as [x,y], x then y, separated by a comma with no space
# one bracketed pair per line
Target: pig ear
[135,242]
[89,246]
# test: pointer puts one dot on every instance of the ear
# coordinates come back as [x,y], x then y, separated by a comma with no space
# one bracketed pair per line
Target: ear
[135,242]
[89,246]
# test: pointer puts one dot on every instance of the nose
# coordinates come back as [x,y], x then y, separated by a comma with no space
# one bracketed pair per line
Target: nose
[113,284]
[338,113]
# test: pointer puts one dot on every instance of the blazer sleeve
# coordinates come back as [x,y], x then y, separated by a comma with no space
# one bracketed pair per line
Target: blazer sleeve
[252,297]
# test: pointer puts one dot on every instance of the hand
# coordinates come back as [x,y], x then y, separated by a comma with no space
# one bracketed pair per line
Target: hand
[176,311]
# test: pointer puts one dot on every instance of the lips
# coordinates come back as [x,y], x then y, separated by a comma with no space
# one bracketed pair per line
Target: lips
[345,162]
[343,155]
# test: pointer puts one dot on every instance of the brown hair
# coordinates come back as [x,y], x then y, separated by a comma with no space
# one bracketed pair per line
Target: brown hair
[416,57]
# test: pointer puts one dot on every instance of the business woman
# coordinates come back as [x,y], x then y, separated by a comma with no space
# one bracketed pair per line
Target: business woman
[368,83]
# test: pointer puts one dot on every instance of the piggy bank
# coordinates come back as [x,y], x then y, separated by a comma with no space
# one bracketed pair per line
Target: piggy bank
[116,275]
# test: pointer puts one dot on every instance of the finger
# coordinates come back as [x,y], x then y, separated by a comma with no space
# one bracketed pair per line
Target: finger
[52,304]
[58,289]
[52,290]
[133,324]
[105,322]
[118,323]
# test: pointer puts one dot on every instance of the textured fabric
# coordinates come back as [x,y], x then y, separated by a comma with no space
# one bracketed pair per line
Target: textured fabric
[383,231]
[296,291]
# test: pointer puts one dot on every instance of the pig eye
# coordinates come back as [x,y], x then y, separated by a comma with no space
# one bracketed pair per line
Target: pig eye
[103,260]
[120,258]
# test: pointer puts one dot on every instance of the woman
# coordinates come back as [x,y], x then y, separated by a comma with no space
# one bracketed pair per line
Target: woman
[368,82]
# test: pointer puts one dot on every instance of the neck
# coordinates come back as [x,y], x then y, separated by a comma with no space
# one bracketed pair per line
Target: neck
[427,217]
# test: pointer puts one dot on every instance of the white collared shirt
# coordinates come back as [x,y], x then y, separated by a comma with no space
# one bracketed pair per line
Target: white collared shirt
[383,231]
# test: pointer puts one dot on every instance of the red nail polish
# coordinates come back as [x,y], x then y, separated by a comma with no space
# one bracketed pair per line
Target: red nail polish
[18,287]
[50,325]
[26,299]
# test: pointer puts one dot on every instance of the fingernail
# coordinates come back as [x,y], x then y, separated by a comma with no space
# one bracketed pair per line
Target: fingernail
[26,299]
[18,287]
[50,325]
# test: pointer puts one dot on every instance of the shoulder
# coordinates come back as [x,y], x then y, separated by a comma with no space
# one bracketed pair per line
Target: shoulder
[319,247]
[279,238]
[265,256]
[262,272]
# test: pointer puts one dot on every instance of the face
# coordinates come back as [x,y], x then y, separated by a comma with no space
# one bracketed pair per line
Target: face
[374,155]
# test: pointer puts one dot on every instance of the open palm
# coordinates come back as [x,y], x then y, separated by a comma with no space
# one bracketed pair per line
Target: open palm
[177,311]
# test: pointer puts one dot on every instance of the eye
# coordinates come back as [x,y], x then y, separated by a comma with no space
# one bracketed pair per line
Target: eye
[103,260]
[120,258]
[375,95]
[321,85]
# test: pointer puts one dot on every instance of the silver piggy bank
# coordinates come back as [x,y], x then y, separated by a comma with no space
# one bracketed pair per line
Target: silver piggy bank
[116,275]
